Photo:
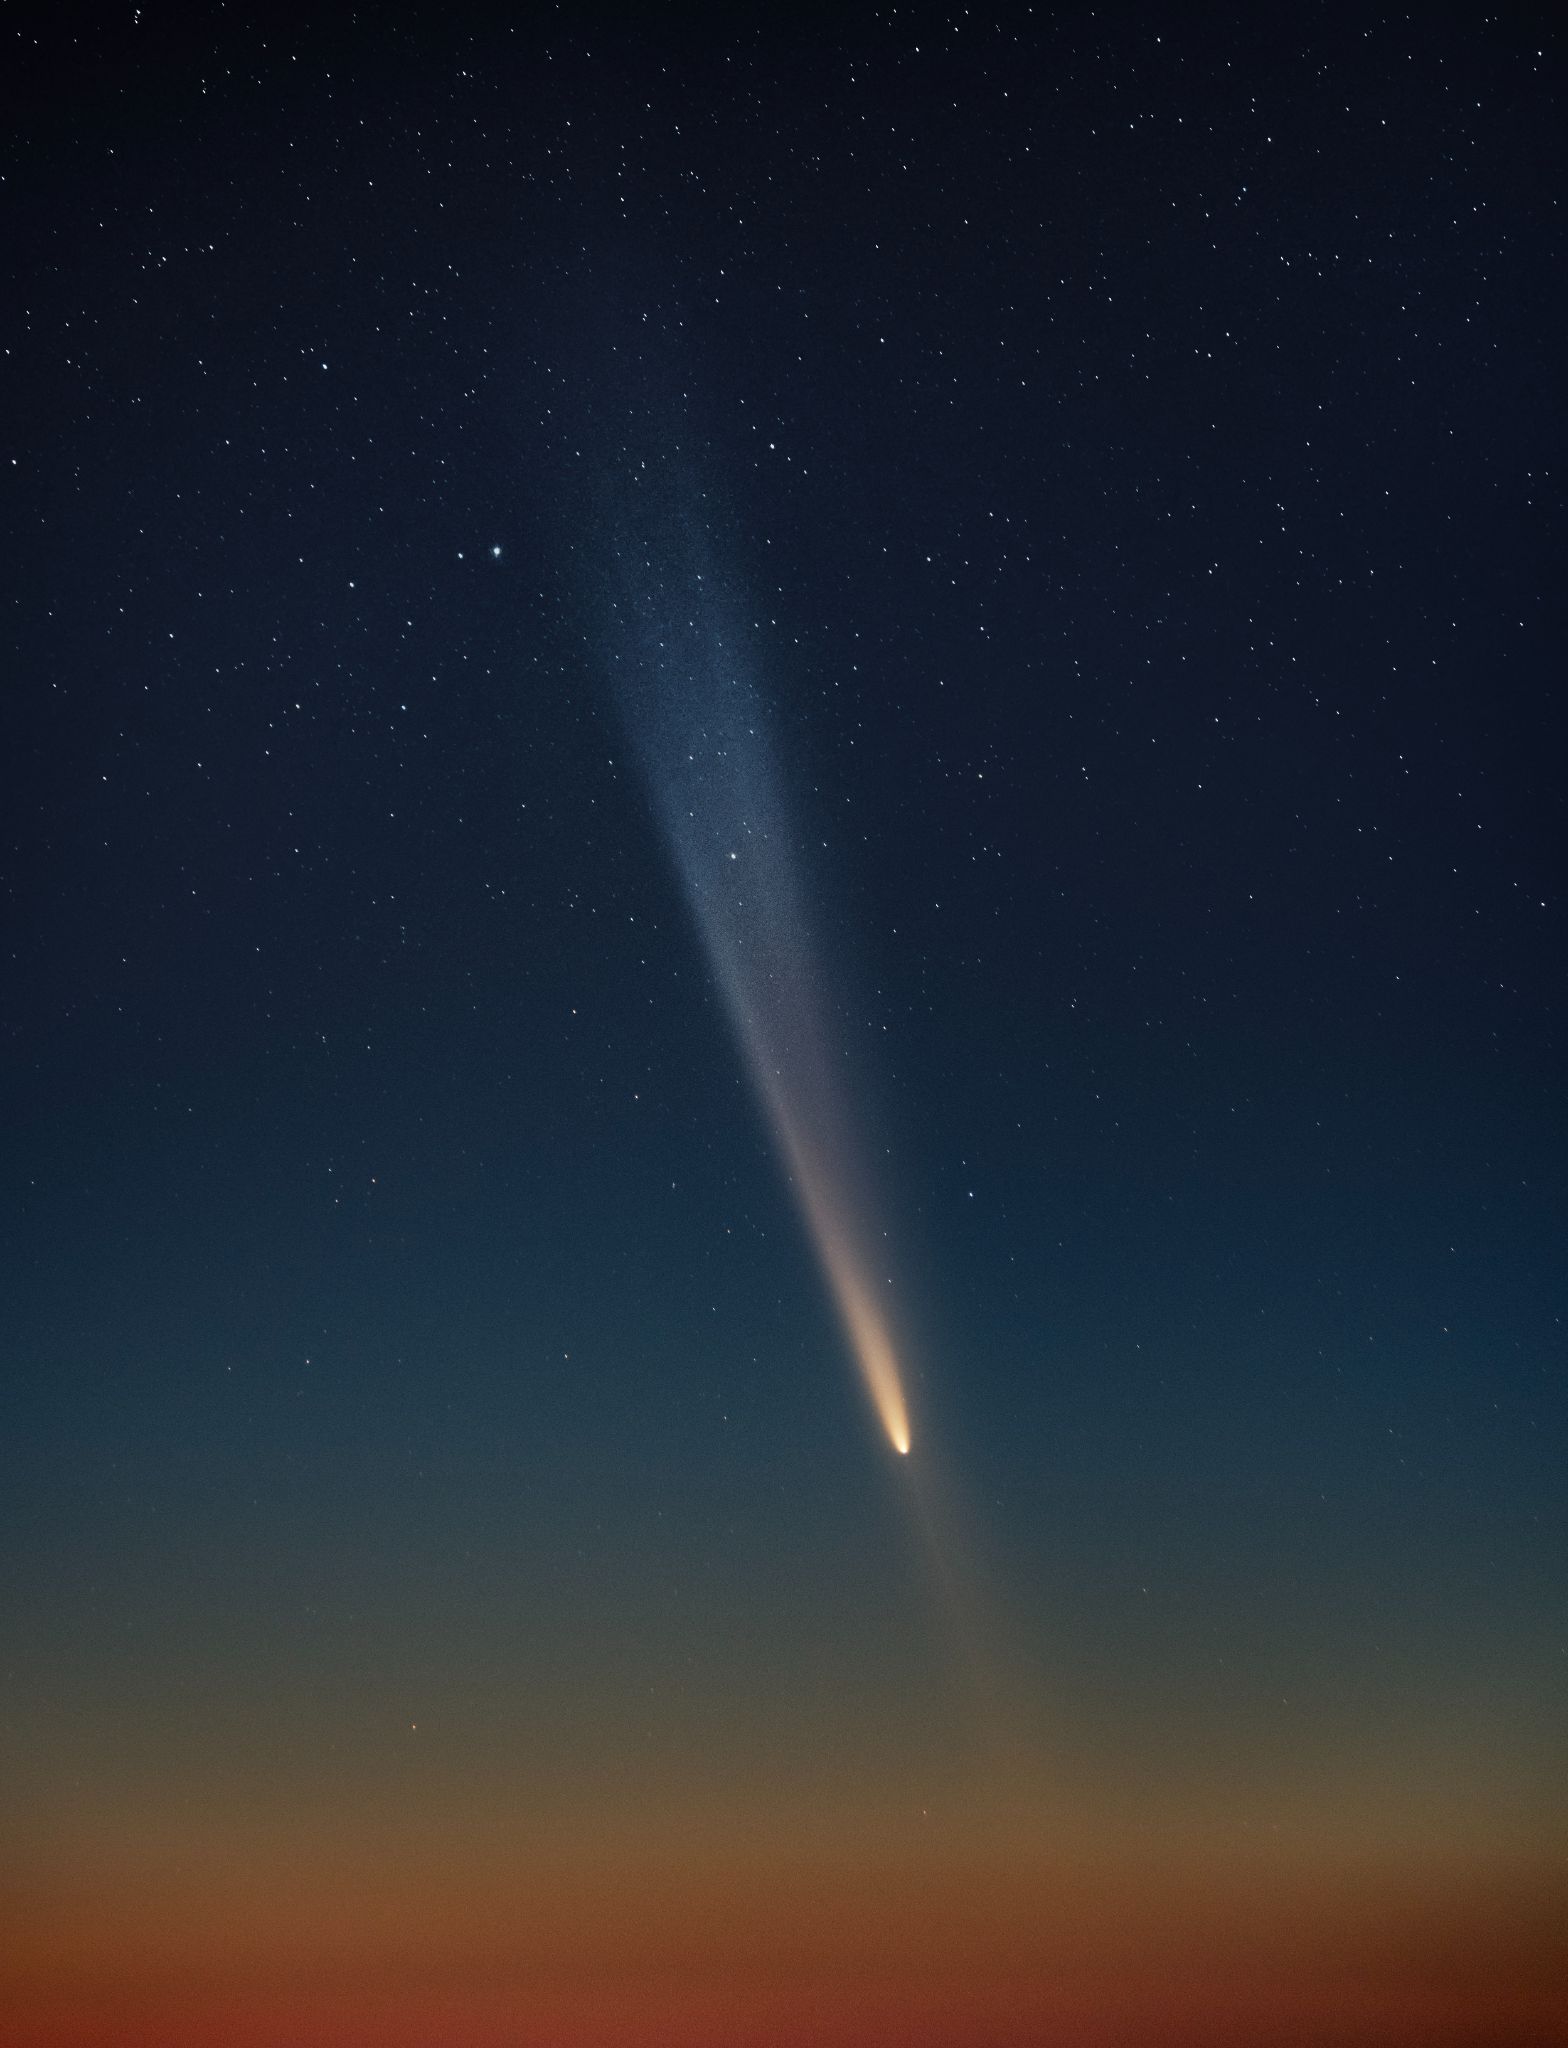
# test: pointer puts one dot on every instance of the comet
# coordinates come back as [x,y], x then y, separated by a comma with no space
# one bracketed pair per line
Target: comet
[686,669]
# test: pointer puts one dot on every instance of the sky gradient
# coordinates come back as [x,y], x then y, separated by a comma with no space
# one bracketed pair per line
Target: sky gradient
[691,709]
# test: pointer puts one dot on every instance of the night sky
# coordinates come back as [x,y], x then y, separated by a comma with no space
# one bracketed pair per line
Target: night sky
[704,717]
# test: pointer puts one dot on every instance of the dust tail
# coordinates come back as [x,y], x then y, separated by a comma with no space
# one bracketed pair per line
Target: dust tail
[696,697]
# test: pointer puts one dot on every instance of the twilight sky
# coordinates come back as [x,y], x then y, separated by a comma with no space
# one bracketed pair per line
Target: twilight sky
[705,718]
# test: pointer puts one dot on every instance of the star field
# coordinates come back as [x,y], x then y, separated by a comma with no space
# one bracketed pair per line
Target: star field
[683,688]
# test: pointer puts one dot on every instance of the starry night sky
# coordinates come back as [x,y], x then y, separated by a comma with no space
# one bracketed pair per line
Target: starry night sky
[455,1587]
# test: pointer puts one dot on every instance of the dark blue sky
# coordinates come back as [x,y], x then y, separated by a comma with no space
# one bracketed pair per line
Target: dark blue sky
[1131,451]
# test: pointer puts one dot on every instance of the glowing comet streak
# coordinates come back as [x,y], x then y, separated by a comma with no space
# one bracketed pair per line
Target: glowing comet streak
[701,731]
[843,1260]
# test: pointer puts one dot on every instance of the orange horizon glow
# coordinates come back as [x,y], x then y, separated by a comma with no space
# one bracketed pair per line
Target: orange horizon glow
[851,1933]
